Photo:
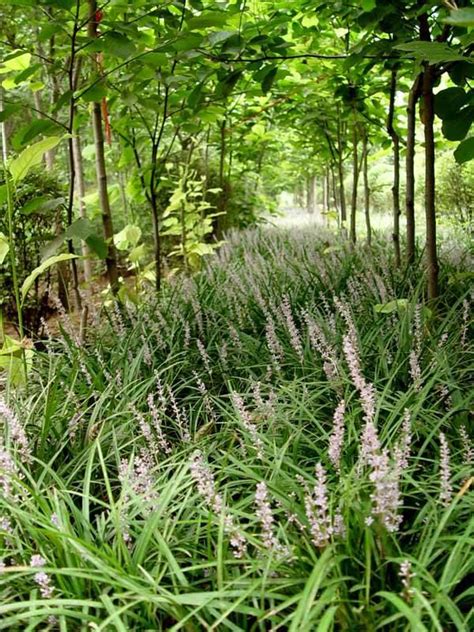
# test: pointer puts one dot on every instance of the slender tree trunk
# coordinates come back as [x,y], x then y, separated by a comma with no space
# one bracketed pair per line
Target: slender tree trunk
[107,224]
[80,194]
[72,84]
[410,168]
[365,172]
[335,193]
[222,182]
[326,190]
[396,168]
[355,182]
[430,209]
[340,169]
[310,183]
[156,238]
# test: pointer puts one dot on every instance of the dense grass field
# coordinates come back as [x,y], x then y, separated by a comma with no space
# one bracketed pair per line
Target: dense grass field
[279,443]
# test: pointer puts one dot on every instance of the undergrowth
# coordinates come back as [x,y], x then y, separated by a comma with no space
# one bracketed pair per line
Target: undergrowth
[279,443]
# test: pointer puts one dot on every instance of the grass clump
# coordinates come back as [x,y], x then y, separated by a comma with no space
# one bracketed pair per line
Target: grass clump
[279,443]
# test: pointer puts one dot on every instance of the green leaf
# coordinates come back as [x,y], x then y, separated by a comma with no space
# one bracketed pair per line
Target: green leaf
[137,254]
[41,204]
[268,80]
[460,71]
[217,37]
[116,44]
[4,247]
[94,93]
[31,156]
[457,128]
[25,74]
[195,96]
[465,151]
[17,61]
[433,52]
[411,615]
[211,19]
[25,135]
[155,59]
[327,620]
[35,128]
[391,306]
[368,5]
[81,228]
[36,85]
[3,193]
[187,42]
[211,114]
[226,86]
[31,278]
[14,366]
[20,3]
[447,103]
[98,245]
[127,237]
[8,110]
[461,17]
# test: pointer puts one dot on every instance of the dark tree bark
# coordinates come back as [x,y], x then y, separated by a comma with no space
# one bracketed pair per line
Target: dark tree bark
[221,206]
[72,84]
[413,97]
[365,150]
[396,168]
[107,224]
[355,182]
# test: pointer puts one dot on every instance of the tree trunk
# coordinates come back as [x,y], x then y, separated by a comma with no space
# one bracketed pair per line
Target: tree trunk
[156,238]
[326,190]
[410,168]
[310,183]
[219,228]
[335,194]
[430,209]
[355,182]
[340,169]
[80,194]
[396,168]
[107,224]
[365,172]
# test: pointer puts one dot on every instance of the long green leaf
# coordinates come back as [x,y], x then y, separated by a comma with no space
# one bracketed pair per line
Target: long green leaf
[32,156]
[4,247]
[28,282]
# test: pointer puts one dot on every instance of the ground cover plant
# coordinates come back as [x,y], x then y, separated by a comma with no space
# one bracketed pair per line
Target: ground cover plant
[280,442]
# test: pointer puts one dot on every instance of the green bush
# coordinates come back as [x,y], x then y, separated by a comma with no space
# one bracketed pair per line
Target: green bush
[455,192]
[39,209]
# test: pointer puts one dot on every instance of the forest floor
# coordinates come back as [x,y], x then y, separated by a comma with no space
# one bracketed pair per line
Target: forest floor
[278,443]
